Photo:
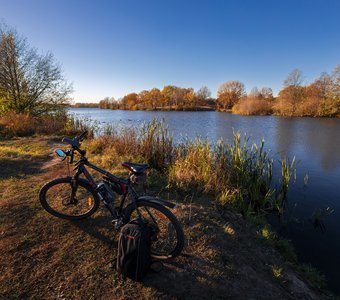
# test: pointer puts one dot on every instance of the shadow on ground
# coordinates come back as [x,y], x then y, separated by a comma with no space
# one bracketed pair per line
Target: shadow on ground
[18,168]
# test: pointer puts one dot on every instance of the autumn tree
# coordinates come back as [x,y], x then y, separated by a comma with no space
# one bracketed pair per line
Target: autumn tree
[142,98]
[291,95]
[328,88]
[154,98]
[203,94]
[168,95]
[29,82]
[129,101]
[229,93]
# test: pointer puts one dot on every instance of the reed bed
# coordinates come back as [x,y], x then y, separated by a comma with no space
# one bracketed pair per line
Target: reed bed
[239,174]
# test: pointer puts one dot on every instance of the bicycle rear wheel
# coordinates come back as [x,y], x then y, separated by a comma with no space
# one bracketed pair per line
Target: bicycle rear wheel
[62,199]
[168,237]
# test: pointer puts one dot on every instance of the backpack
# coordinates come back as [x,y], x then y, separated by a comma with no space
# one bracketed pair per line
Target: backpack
[134,254]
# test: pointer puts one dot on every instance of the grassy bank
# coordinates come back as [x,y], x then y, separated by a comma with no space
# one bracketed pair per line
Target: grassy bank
[225,256]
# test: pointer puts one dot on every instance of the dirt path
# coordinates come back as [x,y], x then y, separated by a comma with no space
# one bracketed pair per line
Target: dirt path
[47,258]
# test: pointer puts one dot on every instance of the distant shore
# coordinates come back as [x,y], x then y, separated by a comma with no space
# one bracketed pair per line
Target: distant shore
[204,108]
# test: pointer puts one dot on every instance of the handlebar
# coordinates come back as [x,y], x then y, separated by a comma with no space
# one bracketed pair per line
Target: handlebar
[75,143]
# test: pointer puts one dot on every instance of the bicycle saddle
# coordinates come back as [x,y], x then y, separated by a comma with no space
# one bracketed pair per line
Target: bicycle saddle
[135,168]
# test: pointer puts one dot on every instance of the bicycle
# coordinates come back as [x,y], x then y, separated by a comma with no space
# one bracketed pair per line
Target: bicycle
[75,198]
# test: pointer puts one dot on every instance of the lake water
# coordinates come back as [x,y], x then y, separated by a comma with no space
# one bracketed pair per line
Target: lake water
[315,143]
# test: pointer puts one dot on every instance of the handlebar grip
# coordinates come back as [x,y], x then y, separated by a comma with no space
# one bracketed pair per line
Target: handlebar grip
[67,141]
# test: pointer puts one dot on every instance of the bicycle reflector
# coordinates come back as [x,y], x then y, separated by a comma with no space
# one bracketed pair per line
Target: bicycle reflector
[89,201]
[160,215]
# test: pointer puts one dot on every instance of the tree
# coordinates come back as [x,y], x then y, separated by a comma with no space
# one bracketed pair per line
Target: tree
[292,94]
[129,101]
[294,79]
[29,82]
[229,93]
[266,93]
[329,93]
[203,94]
[168,95]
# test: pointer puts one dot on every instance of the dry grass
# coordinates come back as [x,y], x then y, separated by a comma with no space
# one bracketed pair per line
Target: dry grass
[24,124]
[47,258]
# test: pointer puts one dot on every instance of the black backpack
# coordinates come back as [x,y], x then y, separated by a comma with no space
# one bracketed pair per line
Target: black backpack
[134,254]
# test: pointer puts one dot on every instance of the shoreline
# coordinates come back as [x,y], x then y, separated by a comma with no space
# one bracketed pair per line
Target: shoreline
[200,109]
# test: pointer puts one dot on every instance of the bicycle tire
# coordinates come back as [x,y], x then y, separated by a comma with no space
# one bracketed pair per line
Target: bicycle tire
[177,249]
[61,183]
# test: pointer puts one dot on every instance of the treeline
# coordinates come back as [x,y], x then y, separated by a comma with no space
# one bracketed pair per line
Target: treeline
[169,98]
[85,105]
[321,98]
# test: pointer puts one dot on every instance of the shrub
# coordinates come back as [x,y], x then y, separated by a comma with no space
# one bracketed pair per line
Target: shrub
[253,106]
[24,124]
[14,124]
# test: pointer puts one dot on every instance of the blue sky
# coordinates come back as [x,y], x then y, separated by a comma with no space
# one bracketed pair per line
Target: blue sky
[111,48]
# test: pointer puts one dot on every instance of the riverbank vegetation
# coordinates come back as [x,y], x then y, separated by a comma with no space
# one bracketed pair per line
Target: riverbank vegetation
[239,174]
[321,98]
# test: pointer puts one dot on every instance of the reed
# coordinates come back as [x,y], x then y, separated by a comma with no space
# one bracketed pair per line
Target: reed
[156,144]
[238,173]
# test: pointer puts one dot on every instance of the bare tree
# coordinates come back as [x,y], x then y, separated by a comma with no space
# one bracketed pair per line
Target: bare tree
[254,92]
[203,93]
[266,93]
[294,79]
[29,82]
[229,93]
[336,82]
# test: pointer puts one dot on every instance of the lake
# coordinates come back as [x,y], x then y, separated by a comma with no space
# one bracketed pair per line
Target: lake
[315,142]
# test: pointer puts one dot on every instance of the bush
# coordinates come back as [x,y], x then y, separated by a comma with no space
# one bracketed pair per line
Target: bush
[24,124]
[252,106]
[14,124]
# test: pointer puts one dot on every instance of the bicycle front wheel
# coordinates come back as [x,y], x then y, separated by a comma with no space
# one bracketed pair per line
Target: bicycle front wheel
[64,199]
[167,240]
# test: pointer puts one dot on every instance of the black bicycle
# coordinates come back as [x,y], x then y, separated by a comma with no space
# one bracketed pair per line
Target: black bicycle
[75,198]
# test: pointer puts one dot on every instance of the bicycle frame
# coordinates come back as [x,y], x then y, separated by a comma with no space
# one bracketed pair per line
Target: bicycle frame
[125,184]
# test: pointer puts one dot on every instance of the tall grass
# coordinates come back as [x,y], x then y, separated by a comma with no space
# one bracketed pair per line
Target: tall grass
[237,173]
[156,144]
[152,143]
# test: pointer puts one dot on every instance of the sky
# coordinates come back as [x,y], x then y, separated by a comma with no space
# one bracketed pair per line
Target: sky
[111,48]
